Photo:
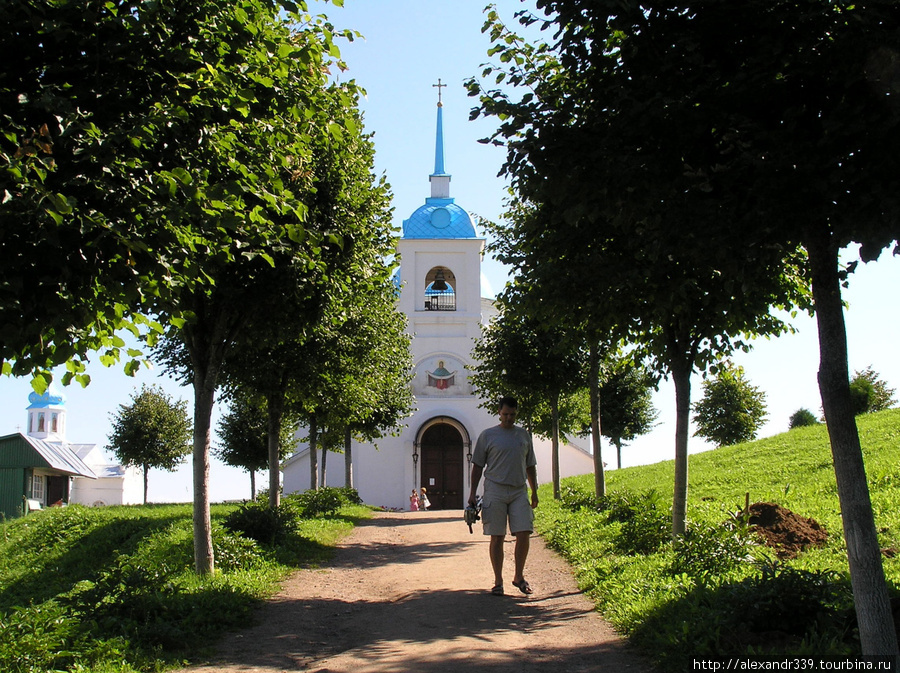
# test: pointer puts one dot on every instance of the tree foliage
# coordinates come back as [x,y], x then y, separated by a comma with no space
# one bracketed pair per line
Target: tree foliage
[543,365]
[731,409]
[801,418]
[626,404]
[611,196]
[152,431]
[169,152]
[869,393]
[754,141]
[243,432]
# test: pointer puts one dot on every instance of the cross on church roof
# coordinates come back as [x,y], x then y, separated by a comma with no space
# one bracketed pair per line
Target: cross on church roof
[439,87]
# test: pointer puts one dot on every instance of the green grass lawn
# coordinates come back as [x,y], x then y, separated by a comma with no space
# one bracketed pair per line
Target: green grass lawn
[113,589]
[720,593]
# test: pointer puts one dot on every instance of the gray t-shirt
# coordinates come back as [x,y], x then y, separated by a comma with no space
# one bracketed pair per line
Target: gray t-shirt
[505,455]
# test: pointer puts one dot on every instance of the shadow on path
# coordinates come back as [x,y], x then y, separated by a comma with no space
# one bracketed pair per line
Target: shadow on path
[407,592]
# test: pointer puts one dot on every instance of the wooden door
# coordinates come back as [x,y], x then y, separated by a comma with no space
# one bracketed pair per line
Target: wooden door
[442,466]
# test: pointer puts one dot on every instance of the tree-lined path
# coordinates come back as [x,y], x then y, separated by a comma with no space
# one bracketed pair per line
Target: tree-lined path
[409,592]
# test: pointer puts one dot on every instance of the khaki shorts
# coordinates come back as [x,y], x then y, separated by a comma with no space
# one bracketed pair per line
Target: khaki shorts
[506,503]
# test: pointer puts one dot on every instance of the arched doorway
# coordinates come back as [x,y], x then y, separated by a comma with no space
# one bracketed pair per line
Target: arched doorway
[442,466]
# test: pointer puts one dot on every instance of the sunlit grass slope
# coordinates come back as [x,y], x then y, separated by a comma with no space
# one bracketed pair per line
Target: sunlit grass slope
[679,605]
[112,589]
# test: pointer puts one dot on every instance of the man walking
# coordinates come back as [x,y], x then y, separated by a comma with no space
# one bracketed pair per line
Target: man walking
[504,454]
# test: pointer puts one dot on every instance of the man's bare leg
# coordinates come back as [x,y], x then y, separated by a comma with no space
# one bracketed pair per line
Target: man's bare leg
[496,549]
[523,543]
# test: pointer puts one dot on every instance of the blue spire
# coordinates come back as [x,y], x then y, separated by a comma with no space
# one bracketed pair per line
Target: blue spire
[440,217]
[439,142]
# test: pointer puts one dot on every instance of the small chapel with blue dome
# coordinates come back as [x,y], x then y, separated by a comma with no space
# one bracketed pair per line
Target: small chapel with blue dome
[440,294]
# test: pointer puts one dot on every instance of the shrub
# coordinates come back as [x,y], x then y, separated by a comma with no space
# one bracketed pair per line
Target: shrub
[802,418]
[646,520]
[705,550]
[233,552]
[324,501]
[350,495]
[262,523]
[36,637]
[788,599]
[575,499]
[868,393]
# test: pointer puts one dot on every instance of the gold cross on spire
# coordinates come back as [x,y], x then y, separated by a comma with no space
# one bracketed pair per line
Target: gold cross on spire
[439,87]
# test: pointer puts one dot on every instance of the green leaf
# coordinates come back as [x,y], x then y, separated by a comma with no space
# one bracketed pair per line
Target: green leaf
[40,383]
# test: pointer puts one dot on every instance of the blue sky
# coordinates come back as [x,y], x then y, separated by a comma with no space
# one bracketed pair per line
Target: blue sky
[408,46]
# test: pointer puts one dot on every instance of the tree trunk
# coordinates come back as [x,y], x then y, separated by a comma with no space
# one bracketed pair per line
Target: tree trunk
[348,458]
[204,398]
[554,442]
[275,405]
[594,383]
[253,485]
[618,444]
[313,458]
[681,376]
[146,480]
[323,467]
[870,595]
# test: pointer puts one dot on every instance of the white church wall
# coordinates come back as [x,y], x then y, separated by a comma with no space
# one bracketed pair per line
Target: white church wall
[573,460]
[379,475]
[115,485]
[133,487]
[121,486]
[98,492]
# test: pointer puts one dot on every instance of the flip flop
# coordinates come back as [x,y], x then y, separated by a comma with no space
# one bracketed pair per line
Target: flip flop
[497,590]
[523,586]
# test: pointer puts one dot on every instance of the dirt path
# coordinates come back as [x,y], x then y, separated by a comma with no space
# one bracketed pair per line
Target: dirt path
[409,592]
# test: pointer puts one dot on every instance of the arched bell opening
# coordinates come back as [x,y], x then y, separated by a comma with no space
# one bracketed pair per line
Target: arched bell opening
[440,289]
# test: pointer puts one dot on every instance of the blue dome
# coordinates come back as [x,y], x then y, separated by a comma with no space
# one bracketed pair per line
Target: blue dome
[51,398]
[439,218]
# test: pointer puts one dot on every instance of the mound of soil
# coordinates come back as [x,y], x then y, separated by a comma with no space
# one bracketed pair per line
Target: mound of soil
[784,531]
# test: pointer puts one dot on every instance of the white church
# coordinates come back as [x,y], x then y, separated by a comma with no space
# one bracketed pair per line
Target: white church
[440,294]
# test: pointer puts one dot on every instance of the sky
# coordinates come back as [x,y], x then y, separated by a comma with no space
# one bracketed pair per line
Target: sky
[409,46]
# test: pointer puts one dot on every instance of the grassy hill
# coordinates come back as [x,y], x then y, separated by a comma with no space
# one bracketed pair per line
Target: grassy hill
[720,592]
[112,589]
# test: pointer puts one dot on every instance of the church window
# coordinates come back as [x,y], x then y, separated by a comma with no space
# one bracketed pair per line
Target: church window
[440,294]
[40,423]
[54,422]
[37,487]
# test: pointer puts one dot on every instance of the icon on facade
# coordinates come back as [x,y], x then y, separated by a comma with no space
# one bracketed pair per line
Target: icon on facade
[440,378]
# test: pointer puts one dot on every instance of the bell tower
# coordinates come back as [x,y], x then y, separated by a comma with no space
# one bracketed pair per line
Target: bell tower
[440,257]
[440,294]
[47,415]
